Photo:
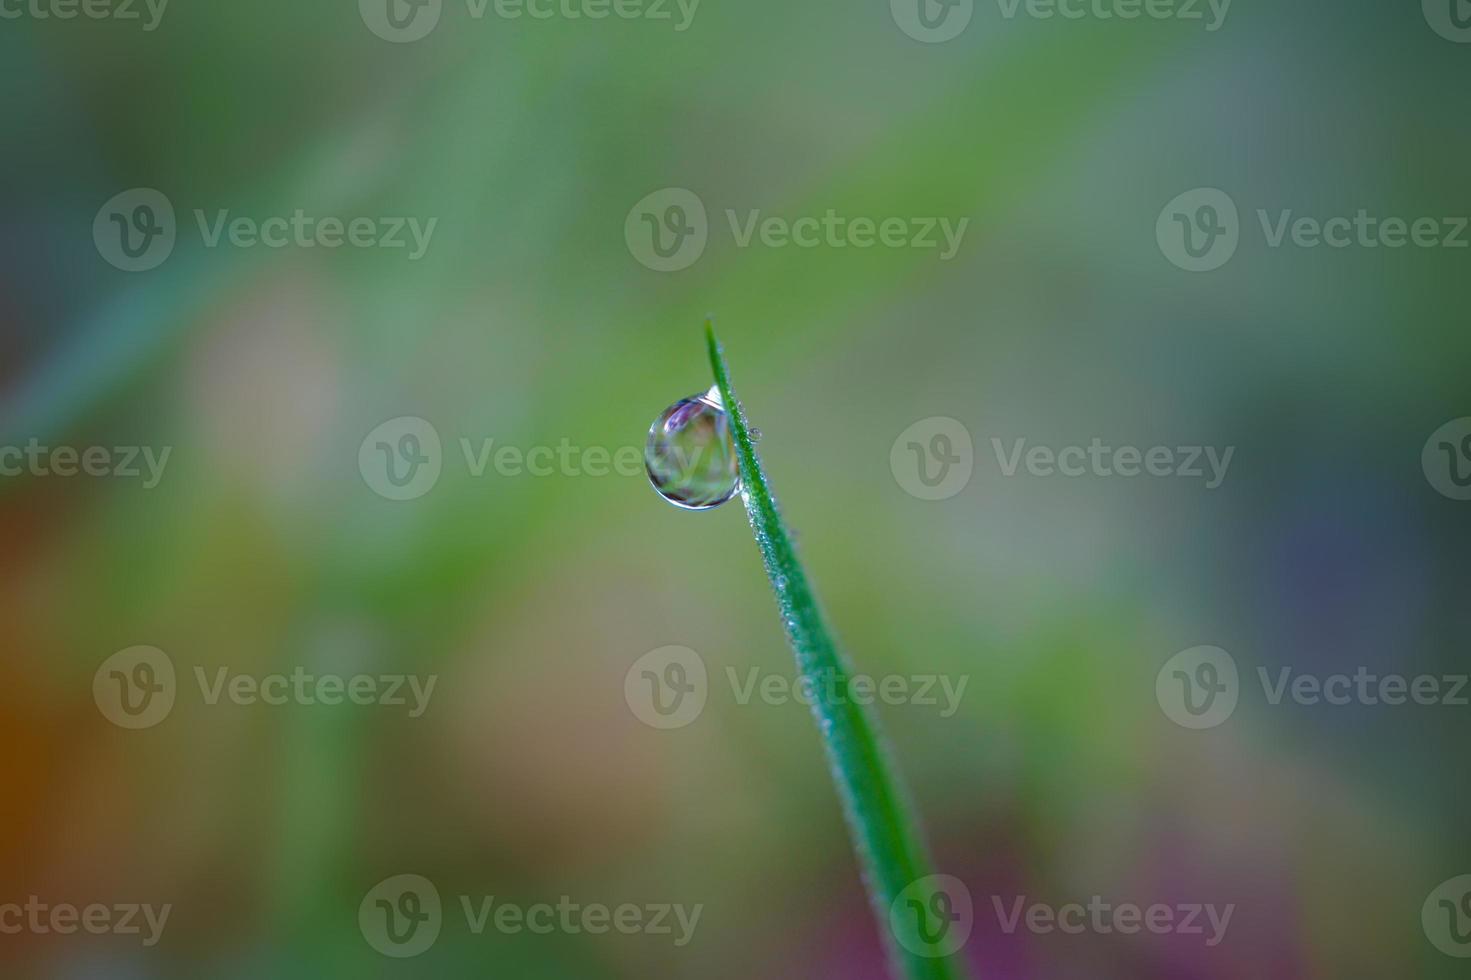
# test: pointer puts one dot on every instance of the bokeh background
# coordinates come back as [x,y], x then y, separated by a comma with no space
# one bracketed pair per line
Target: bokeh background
[530,321]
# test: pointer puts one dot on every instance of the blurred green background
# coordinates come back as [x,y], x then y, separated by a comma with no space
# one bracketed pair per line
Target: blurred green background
[531,320]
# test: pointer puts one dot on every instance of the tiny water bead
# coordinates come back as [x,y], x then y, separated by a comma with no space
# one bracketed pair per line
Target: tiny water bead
[691,456]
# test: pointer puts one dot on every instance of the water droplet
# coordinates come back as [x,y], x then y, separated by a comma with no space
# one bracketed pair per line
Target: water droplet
[755,435]
[690,456]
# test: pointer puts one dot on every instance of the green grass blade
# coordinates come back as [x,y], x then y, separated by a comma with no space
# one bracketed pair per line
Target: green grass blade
[884,831]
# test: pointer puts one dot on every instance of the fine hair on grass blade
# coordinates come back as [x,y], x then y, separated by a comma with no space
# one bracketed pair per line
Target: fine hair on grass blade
[917,910]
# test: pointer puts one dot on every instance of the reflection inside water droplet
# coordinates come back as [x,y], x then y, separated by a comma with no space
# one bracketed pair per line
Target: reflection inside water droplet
[690,455]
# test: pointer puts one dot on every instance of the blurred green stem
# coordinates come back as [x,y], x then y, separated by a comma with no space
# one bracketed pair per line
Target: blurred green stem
[879,818]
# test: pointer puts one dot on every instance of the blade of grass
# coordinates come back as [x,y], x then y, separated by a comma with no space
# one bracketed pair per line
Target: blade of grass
[884,831]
